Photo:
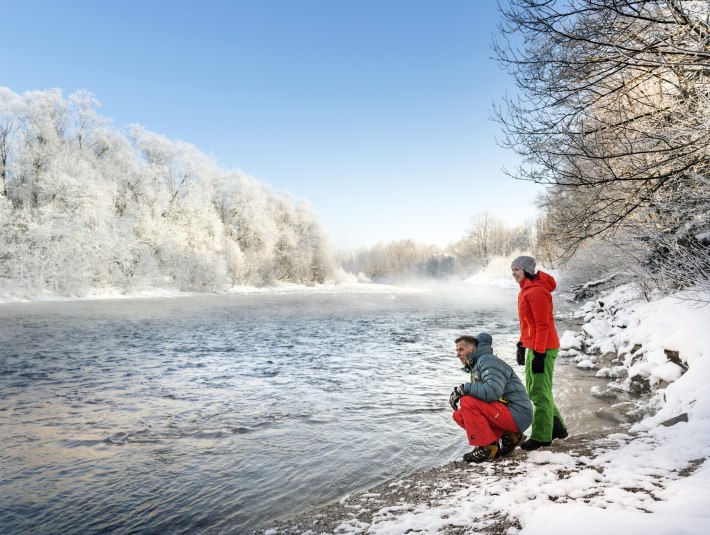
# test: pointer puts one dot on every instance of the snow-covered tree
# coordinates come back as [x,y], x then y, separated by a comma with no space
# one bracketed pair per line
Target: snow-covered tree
[85,207]
[489,236]
[612,115]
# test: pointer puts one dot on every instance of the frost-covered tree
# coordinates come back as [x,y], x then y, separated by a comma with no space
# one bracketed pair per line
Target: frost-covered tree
[9,107]
[489,236]
[399,259]
[86,207]
[612,115]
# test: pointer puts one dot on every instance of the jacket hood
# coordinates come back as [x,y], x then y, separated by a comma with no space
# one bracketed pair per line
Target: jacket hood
[484,339]
[484,347]
[543,279]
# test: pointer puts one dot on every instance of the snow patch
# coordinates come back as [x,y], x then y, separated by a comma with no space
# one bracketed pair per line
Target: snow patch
[571,340]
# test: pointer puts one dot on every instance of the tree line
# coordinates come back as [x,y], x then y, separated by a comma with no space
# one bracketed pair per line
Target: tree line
[85,206]
[487,237]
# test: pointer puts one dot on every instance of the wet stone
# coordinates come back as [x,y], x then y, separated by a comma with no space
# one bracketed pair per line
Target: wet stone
[639,385]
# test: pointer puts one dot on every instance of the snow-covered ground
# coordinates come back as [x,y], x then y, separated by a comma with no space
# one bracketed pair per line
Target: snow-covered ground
[653,477]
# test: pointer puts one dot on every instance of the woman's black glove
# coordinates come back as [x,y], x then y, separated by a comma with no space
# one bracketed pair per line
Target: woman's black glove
[520,354]
[455,397]
[538,362]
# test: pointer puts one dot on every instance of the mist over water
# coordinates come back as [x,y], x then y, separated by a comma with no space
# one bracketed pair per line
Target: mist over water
[221,413]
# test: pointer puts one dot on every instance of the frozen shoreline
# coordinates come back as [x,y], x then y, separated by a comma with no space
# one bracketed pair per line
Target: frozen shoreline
[648,477]
[425,489]
[162,293]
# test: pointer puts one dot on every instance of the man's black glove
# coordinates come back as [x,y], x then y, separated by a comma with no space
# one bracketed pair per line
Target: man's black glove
[455,397]
[520,355]
[538,362]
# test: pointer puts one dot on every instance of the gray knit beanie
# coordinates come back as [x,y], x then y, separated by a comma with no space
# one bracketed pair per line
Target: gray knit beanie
[526,263]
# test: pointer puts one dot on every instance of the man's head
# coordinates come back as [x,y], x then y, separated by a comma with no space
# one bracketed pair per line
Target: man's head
[521,266]
[465,345]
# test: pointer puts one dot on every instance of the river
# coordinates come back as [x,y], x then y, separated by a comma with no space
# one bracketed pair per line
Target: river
[221,413]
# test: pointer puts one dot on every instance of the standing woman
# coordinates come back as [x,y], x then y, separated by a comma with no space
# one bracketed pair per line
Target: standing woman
[539,337]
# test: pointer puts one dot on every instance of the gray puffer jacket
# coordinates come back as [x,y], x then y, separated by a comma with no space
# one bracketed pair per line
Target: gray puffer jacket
[492,378]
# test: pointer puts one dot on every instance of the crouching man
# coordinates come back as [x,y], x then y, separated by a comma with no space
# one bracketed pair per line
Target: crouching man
[495,407]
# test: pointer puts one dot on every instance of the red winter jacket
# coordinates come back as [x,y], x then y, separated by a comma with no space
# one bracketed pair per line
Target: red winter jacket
[537,326]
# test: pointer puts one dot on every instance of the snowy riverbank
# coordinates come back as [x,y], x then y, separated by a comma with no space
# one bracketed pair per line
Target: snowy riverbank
[652,476]
[161,293]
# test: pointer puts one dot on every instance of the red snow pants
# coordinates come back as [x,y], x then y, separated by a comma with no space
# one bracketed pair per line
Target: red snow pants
[484,422]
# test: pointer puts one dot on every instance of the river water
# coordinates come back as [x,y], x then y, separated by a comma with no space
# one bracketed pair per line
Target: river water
[219,414]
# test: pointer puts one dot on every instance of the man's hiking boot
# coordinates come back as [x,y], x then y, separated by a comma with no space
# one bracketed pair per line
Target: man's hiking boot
[558,430]
[480,454]
[509,442]
[532,444]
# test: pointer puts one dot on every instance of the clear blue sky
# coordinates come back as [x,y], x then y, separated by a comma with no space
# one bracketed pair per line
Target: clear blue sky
[375,111]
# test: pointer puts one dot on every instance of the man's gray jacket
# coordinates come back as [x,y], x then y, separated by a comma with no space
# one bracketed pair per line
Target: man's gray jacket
[492,379]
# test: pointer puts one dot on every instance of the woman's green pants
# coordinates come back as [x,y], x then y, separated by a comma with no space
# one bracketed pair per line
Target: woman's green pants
[539,387]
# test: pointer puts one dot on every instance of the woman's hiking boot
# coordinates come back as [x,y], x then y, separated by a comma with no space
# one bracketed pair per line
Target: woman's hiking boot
[480,454]
[558,430]
[509,442]
[532,444]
